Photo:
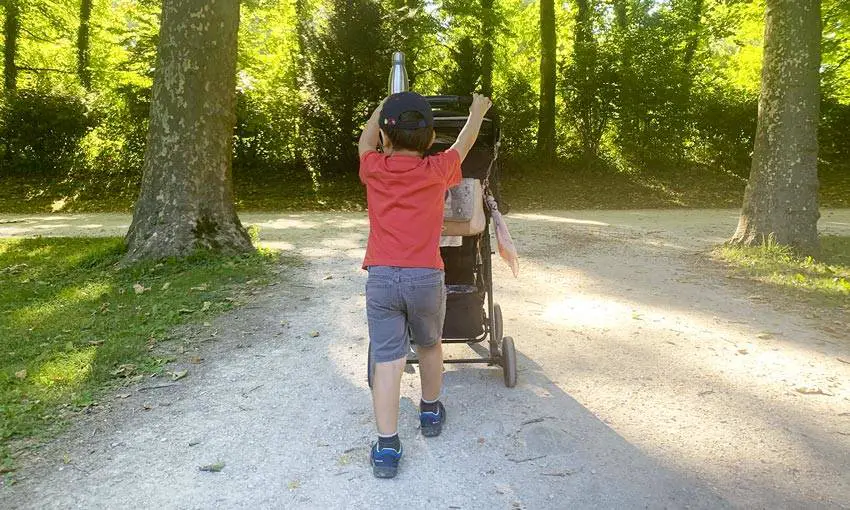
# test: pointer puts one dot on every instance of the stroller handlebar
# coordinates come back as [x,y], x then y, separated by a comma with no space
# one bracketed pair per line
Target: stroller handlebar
[442,101]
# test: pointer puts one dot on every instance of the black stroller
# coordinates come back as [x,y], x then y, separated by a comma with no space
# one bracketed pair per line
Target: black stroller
[471,313]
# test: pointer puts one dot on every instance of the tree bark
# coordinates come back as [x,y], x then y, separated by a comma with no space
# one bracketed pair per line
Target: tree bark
[11,29]
[781,198]
[83,44]
[186,200]
[548,55]
[487,30]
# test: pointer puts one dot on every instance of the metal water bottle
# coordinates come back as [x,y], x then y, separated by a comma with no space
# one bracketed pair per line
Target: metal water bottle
[398,74]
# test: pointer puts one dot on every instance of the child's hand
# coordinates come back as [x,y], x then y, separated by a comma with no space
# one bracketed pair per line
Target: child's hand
[480,105]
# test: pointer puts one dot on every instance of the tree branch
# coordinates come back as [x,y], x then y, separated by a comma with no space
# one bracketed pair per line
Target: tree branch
[43,69]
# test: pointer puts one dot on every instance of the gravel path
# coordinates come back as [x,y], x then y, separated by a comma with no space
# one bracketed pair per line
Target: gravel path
[647,380]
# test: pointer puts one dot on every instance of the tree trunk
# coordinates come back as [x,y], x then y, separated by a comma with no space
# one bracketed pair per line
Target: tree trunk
[186,200]
[487,48]
[548,42]
[10,50]
[83,44]
[781,198]
[585,55]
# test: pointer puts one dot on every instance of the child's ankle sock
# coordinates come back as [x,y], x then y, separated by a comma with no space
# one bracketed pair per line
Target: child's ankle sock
[429,407]
[389,442]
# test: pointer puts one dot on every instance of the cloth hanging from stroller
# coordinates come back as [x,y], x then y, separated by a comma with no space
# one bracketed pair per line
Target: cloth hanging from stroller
[507,249]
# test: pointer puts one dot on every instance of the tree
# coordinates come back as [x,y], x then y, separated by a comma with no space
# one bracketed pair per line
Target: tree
[10,32]
[83,44]
[487,32]
[349,61]
[186,200]
[781,198]
[548,42]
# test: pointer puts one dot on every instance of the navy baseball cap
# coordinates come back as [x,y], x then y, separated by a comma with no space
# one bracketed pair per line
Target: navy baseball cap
[404,102]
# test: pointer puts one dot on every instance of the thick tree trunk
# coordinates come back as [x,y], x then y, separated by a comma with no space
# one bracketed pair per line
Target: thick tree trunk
[10,50]
[548,55]
[487,48]
[781,198]
[83,44]
[186,201]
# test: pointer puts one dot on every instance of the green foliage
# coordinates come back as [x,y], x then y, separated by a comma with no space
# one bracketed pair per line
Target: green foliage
[73,323]
[643,83]
[40,132]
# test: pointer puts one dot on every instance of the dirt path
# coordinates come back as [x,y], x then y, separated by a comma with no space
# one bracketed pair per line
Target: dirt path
[645,382]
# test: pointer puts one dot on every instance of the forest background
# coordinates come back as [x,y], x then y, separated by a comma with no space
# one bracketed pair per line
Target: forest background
[655,100]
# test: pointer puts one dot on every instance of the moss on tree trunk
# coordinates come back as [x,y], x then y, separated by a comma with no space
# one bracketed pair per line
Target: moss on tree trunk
[781,199]
[186,200]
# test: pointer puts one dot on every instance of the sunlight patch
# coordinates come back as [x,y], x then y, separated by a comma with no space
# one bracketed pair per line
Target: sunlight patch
[67,369]
[558,219]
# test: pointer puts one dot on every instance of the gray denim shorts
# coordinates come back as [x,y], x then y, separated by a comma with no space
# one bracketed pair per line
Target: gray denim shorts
[404,305]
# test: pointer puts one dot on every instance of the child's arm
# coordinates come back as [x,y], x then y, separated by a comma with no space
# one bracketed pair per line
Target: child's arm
[369,138]
[469,133]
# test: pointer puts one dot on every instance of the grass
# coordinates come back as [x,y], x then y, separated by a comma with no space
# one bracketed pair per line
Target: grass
[824,281]
[73,324]
[526,186]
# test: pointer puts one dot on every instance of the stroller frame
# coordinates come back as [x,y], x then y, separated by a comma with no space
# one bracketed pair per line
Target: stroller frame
[502,352]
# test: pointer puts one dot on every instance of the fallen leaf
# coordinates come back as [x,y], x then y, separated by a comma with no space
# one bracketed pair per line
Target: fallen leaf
[195,360]
[743,351]
[21,374]
[328,277]
[294,484]
[764,336]
[212,468]
[811,390]
[166,285]
[180,374]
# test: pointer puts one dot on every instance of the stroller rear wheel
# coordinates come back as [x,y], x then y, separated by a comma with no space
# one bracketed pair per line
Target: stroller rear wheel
[509,361]
[496,326]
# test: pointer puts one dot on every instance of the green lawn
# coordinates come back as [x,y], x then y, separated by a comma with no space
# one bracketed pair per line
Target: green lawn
[823,281]
[73,324]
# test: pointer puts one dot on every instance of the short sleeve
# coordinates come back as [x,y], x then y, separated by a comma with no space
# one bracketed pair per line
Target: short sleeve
[448,165]
[368,162]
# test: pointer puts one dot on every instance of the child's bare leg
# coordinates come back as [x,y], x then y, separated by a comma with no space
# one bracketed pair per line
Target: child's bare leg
[386,390]
[431,370]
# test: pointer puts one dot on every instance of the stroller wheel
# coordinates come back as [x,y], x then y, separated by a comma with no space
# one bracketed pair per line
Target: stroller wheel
[509,361]
[496,326]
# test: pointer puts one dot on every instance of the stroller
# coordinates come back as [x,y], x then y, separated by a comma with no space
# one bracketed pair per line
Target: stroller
[471,312]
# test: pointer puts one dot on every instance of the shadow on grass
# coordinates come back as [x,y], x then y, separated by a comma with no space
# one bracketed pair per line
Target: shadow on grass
[72,322]
[824,280]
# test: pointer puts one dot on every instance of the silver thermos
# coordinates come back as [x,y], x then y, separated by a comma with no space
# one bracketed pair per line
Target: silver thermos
[398,75]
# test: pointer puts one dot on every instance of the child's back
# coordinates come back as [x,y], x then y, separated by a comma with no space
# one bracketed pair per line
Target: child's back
[405,290]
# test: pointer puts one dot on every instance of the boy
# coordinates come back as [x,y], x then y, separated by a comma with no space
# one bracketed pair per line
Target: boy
[405,290]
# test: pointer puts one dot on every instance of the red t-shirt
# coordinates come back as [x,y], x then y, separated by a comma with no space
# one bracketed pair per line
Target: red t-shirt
[405,197]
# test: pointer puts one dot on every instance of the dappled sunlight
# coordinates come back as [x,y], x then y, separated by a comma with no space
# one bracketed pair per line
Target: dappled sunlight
[42,311]
[695,379]
[65,370]
[277,245]
[287,223]
[556,219]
